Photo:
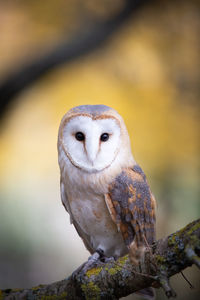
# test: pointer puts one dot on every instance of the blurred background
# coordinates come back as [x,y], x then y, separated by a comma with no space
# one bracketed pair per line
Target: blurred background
[148,70]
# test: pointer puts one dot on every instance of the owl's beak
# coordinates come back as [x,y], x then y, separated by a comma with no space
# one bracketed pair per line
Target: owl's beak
[92,148]
[91,157]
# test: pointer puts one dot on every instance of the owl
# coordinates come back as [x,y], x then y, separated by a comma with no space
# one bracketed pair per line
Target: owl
[103,189]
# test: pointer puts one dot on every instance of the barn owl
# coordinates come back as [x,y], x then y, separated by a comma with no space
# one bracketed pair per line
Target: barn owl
[103,189]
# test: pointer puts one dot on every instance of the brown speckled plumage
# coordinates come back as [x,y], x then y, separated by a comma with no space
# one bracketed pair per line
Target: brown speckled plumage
[132,206]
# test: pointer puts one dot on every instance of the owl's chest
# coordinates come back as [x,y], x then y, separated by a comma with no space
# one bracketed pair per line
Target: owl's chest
[90,212]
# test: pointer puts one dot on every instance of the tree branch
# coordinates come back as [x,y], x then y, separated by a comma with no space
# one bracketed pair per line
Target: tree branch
[83,42]
[116,279]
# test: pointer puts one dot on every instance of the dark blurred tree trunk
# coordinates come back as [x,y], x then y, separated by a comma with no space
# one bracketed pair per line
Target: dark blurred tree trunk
[82,43]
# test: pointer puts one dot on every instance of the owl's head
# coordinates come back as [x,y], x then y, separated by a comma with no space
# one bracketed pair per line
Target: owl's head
[93,137]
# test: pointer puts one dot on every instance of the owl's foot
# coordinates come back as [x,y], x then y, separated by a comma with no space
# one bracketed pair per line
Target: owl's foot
[106,259]
[93,260]
[103,258]
[97,257]
[76,272]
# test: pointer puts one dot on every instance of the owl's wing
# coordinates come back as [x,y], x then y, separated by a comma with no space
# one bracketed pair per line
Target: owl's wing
[64,200]
[132,207]
[81,233]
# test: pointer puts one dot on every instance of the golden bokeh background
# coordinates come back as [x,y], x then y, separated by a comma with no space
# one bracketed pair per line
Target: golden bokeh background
[149,72]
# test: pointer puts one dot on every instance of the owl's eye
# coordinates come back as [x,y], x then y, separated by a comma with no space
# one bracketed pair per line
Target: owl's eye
[79,136]
[104,137]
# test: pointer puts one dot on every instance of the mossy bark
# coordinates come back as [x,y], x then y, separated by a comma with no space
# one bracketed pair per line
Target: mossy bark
[120,278]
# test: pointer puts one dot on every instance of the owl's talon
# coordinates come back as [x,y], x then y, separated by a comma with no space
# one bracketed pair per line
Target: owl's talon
[94,257]
[76,272]
[92,261]
[104,258]
[107,259]
[100,252]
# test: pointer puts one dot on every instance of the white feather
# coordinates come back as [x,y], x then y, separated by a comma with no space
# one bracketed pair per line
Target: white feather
[96,155]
